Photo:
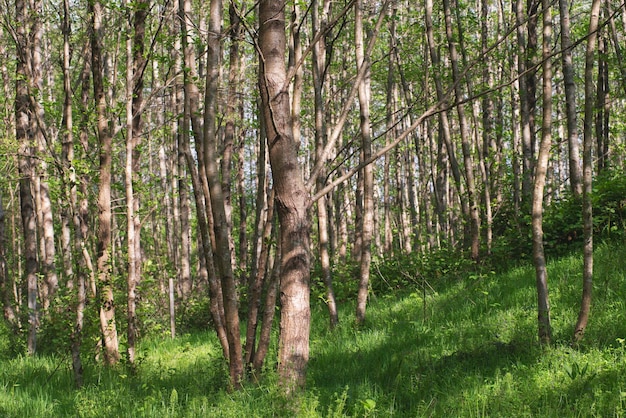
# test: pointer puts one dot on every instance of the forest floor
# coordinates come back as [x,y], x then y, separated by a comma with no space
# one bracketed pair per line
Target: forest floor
[462,348]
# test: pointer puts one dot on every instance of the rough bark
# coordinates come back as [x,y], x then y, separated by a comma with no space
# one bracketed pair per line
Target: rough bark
[104,240]
[292,198]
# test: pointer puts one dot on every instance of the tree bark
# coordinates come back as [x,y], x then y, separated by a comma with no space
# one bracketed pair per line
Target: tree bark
[585,305]
[602,105]
[218,205]
[43,204]
[292,198]
[190,111]
[367,224]
[474,209]
[444,124]
[543,306]
[104,239]
[575,173]
[319,75]
[25,168]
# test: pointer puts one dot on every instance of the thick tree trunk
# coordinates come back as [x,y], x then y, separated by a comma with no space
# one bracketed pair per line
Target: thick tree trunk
[292,198]
[104,240]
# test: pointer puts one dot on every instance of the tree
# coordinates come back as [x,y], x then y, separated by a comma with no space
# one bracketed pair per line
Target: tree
[543,306]
[319,52]
[292,198]
[570,100]
[104,240]
[218,205]
[367,223]
[585,305]
[23,114]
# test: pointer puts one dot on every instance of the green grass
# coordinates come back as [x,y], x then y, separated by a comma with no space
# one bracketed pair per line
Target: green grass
[468,349]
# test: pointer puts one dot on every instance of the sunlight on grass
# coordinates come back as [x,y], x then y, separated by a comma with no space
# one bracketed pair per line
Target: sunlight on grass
[467,347]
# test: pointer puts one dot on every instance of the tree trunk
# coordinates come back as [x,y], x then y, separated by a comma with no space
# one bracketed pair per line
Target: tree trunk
[256,285]
[602,105]
[25,168]
[292,198]
[104,240]
[191,99]
[43,203]
[583,315]
[319,72]
[575,174]
[218,205]
[444,124]
[367,225]
[268,309]
[543,306]
[474,210]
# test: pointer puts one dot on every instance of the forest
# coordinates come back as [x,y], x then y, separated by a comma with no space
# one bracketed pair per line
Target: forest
[218,208]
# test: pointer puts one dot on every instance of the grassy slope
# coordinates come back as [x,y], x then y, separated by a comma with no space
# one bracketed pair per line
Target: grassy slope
[467,350]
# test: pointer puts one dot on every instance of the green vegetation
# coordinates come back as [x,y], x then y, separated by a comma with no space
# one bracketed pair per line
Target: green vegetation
[462,345]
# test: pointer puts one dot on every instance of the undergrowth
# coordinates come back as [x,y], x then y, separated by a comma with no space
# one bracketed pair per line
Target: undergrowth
[461,343]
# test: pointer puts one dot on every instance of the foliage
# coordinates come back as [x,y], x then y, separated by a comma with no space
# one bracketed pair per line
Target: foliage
[562,222]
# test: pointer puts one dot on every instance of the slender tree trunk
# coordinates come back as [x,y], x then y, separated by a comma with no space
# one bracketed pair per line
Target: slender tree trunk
[585,305]
[543,306]
[474,210]
[319,72]
[5,293]
[525,99]
[25,168]
[444,124]
[104,240]
[218,205]
[292,198]
[602,105]
[575,173]
[190,111]
[256,285]
[235,117]
[43,204]
[268,309]
[71,211]
[487,127]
